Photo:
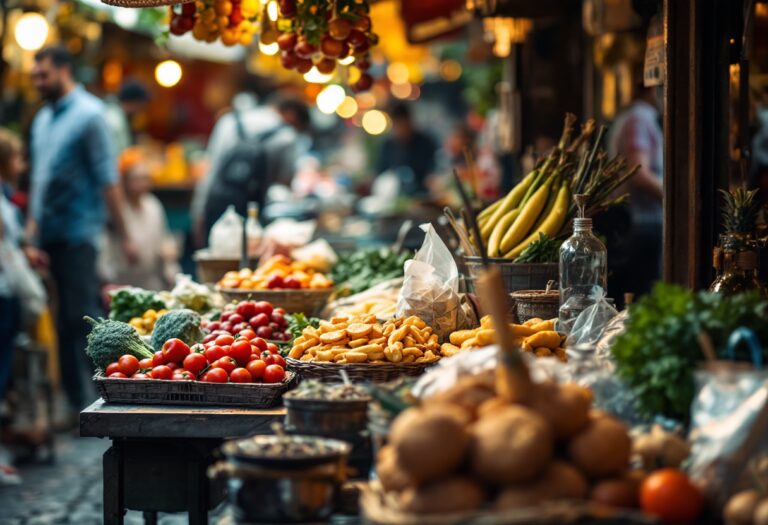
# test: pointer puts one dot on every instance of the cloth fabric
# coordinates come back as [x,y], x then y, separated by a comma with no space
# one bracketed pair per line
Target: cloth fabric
[119,127]
[10,324]
[148,223]
[10,228]
[73,267]
[285,146]
[73,160]
[417,155]
[638,129]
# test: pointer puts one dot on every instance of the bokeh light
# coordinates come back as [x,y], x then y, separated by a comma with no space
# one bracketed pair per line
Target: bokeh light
[375,122]
[397,73]
[168,73]
[330,98]
[31,31]
[347,108]
[450,70]
[314,76]
[268,49]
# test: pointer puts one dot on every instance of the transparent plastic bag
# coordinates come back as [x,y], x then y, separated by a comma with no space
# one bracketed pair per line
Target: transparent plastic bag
[226,238]
[590,323]
[431,287]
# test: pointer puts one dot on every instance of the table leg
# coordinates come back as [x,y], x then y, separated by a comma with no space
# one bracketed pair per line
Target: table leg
[114,509]
[150,518]
[197,493]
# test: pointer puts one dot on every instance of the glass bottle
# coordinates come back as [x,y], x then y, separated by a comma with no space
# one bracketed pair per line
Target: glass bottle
[253,231]
[583,266]
[739,271]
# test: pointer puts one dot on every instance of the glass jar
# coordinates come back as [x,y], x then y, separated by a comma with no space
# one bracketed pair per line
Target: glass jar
[740,263]
[583,268]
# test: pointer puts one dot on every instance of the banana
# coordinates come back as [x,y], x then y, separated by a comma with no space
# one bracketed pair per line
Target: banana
[509,203]
[484,215]
[551,225]
[528,215]
[494,241]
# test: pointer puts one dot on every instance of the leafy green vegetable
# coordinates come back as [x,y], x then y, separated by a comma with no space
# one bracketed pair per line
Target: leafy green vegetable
[359,270]
[128,303]
[109,340]
[298,322]
[177,324]
[542,250]
[658,352]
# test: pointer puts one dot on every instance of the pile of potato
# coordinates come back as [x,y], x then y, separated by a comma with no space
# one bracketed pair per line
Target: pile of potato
[749,507]
[365,340]
[467,449]
[535,336]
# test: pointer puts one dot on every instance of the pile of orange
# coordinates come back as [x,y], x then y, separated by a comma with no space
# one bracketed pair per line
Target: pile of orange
[277,273]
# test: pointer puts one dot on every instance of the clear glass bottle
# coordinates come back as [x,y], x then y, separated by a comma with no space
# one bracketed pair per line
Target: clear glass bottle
[253,231]
[583,266]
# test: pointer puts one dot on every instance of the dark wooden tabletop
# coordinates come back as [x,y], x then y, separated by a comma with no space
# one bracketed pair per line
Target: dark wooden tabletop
[168,421]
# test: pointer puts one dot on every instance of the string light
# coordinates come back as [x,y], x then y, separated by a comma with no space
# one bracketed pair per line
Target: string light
[168,73]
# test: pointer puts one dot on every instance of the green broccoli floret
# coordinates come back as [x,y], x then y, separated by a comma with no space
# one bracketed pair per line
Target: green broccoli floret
[109,340]
[179,324]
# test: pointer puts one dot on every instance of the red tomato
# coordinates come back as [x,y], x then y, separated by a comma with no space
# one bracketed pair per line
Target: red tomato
[263,307]
[247,334]
[260,343]
[272,347]
[226,363]
[216,375]
[239,328]
[274,374]
[183,375]
[146,363]
[246,309]
[279,360]
[158,359]
[111,369]
[256,368]
[279,311]
[214,325]
[195,363]
[254,357]
[225,316]
[240,375]
[175,350]
[128,364]
[226,327]
[118,375]
[236,319]
[162,372]
[268,358]
[214,353]
[173,366]
[240,351]
[670,495]
[209,338]
[140,375]
[258,321]
[265,332]
[279,319]
[197,348]
[225,340]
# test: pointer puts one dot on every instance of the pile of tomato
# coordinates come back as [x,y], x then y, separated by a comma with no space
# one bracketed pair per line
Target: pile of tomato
[222,359]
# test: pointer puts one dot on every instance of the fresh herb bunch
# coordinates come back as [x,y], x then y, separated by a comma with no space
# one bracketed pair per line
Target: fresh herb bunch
[128,303]
[298,322]
[659,351]
[357,271]
[542,250]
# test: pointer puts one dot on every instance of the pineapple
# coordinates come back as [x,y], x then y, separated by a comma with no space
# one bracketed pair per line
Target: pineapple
[740,209]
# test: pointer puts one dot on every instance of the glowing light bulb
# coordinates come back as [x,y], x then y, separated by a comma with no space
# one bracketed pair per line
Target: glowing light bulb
[330,98]
[168,73]
[272,11]
[31,31]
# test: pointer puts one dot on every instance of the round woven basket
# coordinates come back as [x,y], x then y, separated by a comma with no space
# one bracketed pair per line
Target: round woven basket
[535,303]
[210,269]
[144,3]
[374,373]
[309,302]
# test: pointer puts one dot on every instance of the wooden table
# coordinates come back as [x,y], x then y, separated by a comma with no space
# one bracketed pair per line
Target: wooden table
[160,454]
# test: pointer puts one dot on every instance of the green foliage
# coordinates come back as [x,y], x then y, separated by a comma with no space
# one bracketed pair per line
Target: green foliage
[659,351]
[359,270]
[177,324]
[542,250]
[109,340]
[128,303]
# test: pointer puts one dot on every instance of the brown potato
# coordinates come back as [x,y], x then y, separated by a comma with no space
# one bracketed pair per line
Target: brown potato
[616,492]
[430,443]
[513,445]
[565,407]
[741,508]
[454,494]
[391,476]
[469,393]
[761,513]
[602,449]
[560,481]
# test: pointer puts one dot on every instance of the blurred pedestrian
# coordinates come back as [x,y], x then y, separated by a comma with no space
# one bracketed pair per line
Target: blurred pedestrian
[145,219]
[637,136]
[251,148]
[131,100]
[73,183]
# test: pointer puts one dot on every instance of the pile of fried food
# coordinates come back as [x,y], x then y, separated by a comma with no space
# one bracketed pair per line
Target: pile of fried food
[535,336]
[364,339]
[467,448]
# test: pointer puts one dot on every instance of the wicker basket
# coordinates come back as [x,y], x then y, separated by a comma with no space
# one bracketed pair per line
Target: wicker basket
[211,269]
[516,276]
[535,303]
[144,3]
[374,373]
[309,302]
[164,392]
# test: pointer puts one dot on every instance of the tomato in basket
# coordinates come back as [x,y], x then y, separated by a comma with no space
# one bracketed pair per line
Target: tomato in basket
[240,375]
[216,375]
[162,372]
[175,350]
[128,364]
[274,374]
[195,363]
[256,368]
[111,369]
[240,351]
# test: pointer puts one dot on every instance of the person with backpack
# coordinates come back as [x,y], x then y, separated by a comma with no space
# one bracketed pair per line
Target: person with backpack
[250,148]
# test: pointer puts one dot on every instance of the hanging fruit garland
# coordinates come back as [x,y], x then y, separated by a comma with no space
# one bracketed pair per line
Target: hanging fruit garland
[231,21]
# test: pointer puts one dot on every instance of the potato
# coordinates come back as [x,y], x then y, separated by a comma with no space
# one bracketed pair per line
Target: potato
[454,494]
[432,442]
[491,406]
[560,481]
[660,448]
[389,472]
[514,444]
[602,449]
[741,508]
[761,513]
[565,407]
[615,492]
[469,393]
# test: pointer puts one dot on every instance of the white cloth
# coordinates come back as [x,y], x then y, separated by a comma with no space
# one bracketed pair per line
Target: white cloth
[10,229]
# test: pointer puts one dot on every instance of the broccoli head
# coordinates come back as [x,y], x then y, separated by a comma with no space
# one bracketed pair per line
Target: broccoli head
[179,324]
[109,340]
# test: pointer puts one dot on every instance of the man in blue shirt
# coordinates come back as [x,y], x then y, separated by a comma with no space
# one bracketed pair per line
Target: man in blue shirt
[73,182]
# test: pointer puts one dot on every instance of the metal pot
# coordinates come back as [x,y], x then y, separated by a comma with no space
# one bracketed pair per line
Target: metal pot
[326,417]
[279,489]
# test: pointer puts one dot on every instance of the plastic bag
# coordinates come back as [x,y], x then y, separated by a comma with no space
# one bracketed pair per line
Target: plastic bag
[431,287]
[590,323]
[226,238]
[318,254]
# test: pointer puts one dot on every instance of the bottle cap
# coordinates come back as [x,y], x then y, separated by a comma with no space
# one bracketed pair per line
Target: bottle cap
[582,223]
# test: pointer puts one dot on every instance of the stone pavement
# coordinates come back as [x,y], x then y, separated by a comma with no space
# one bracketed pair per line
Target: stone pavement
[68,491]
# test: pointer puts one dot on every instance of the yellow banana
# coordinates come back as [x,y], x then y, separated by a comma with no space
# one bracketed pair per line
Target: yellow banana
[494,241]
[484,215]
[528,215]
[509,203]
[550,226]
